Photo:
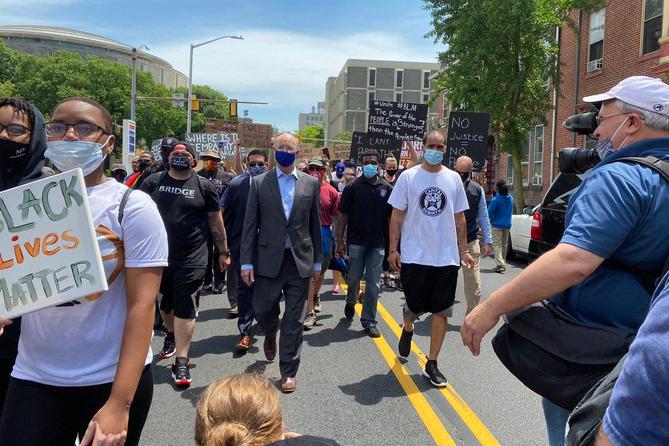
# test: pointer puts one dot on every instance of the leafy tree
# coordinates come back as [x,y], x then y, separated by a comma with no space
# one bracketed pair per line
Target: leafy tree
[501,58]
[342,138]
[313,134]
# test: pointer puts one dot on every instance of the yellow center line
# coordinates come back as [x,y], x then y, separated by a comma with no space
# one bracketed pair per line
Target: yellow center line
[432,422]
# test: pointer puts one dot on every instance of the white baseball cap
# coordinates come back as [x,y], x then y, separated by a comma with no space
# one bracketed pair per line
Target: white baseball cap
[645,92]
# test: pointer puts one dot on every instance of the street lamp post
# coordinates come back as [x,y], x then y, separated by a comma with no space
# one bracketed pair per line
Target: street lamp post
[190,75]
[133,89]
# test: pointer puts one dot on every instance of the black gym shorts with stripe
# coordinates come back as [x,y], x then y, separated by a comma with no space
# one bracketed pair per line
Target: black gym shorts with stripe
[180,291]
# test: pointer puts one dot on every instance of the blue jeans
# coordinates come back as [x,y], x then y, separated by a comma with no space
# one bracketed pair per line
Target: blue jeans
[370,261]
[556,422]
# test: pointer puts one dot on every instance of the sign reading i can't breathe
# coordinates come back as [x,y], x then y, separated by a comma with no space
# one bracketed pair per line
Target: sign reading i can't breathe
[49,254]
[383,145]
[397,120]
[468,135]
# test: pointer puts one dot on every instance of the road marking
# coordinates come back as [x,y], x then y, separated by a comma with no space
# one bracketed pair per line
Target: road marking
[425,411]
[475,425]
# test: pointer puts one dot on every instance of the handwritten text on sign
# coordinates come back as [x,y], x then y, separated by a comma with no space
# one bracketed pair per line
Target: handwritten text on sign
[257,136]
[223,143]
[468,135]
[384,146]
[397,120]
[48,250]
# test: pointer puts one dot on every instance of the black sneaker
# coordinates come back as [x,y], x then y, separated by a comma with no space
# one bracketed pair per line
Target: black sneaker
[169,347]
[433,374]
[372,331]
[404,344]
[180,372]
[349,310]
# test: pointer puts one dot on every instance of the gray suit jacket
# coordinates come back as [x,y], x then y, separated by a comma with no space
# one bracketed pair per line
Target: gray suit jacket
[266,228]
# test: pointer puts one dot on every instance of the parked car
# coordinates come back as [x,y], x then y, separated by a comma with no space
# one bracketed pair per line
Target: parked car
[519,234]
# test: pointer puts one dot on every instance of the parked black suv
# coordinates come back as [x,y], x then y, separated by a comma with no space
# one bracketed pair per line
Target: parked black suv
[548,220]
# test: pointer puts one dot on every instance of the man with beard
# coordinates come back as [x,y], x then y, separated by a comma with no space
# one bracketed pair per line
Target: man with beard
[118,172]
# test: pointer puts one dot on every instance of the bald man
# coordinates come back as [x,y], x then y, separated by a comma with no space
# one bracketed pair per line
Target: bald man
[477,218]
[281,251]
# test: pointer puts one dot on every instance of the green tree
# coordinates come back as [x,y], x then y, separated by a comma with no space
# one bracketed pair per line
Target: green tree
[313,134]
[342,138]
[501,58]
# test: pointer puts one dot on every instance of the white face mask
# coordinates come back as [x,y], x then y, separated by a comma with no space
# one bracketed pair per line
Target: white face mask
[68,155]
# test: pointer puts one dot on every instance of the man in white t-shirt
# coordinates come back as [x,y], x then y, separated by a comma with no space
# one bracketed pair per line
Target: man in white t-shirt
[429,202]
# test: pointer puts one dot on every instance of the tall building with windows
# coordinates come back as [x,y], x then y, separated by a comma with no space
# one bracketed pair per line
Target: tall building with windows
[313,118]
[347,96]
[625,38]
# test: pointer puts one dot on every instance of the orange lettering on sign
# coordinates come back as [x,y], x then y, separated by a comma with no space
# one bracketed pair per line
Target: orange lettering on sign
[50,240]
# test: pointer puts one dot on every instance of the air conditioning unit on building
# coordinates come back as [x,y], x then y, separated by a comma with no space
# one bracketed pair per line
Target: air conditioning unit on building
[536,181]
[594,65]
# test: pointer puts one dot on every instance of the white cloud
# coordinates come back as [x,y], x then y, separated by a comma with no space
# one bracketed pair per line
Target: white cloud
[286,69]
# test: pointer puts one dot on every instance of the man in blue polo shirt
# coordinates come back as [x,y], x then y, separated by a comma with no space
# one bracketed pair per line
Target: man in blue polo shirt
[619,213]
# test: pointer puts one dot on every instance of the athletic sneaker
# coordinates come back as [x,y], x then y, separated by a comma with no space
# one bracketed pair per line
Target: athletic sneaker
[433,374]
[169,347]
[404,344]
[181,373]
[317,304]
[310,321]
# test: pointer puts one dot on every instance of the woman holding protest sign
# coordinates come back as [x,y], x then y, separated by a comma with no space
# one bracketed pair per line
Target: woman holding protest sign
[84,368]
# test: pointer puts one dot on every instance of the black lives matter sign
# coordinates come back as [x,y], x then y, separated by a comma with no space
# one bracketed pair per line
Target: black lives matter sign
[468,135]
[397,120]
[384,146]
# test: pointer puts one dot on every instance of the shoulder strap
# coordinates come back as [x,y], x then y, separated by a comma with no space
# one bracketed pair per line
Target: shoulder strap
[121,206]
[661,166]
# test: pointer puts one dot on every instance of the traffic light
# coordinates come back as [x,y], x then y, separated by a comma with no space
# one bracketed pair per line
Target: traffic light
[233,108]
[196,103]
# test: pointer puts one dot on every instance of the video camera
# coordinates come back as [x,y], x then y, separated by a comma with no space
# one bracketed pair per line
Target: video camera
[573,159]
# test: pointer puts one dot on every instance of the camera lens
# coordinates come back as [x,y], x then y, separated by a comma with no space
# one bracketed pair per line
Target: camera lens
[574,160]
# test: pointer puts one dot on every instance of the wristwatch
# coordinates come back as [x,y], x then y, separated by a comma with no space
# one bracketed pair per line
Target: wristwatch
[225,253]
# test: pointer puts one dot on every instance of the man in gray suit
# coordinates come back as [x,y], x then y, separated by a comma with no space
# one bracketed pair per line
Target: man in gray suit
[281,251]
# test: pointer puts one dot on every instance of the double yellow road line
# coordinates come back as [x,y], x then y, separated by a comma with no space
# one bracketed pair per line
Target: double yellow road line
[425,411]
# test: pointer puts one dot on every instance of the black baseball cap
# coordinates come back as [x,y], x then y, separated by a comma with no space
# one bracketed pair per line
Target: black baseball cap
[169,143]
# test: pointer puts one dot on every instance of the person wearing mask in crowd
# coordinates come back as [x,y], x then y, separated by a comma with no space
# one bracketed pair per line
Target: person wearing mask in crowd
[347,178]
[281,252]
[245,410]
[477,218]
[500,210]
[390,174]
[429,202]
[233,205]
[338,176]
[84,367]
[118,172]
[22,146]
[301,166]
[143,162]
[134,165]
[364,214]
[189,206]
[615,231]
[220,179]
[329,198]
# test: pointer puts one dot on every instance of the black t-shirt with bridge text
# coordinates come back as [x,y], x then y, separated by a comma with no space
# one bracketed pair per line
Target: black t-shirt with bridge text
[184,206]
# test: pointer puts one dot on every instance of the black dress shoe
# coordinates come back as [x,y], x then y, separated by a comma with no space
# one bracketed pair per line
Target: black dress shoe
[373,332]
[349,310]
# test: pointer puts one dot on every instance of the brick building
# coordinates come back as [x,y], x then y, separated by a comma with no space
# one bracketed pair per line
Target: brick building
[626,38]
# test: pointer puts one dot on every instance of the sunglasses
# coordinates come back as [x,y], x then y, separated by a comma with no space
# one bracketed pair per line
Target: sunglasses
[14,129]
[257,163]
[312,168]
[81,129]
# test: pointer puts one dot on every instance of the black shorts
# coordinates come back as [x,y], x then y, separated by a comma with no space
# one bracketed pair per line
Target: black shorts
[180,291]
[429,289]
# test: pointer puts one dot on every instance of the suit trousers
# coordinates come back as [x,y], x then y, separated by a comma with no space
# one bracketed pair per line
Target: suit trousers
[243,297]
[266,298]
[472,277]
[212,268]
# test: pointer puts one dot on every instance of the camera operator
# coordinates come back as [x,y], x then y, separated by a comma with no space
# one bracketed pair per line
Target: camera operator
[619,214]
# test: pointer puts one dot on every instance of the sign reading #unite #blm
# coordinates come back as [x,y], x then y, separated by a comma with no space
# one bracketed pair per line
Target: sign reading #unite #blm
[48,249]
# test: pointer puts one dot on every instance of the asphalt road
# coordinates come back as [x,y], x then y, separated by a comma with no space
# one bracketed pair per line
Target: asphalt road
[354,389]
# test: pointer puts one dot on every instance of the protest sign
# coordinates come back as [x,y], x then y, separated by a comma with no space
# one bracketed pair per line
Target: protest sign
[418,147]
[220,126]
[255,135]
[49,253]
[224,143]
[397,120]
[467,135]
[155,150]
[342,151]
[384,146]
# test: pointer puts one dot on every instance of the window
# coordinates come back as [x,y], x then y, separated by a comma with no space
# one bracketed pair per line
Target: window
[596,40]
[525,160]
[426,79]
[372,77]
[398,97]
[538,155]
[399,78]
[652,25]
[372,97]
[509,169]
[426,98]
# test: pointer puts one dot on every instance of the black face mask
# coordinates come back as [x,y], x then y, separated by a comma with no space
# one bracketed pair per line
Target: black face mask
[143,164]
[119,177]
[465,176]
[12,154]
[180,164]
[391,172]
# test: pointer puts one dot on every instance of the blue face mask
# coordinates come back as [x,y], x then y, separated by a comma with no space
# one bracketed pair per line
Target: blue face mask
[605,145]
[284,158]
[68,155]
[370,170]
[433,157]
[256,170]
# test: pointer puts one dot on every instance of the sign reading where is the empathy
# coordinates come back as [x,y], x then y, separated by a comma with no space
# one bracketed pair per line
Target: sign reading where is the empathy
[255,135]
[383,145]
[49,254]
[468,135]
[224,143]
[397,120]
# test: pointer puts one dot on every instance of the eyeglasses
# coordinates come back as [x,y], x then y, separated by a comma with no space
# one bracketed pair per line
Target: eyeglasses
[599,119]
[81,129]
[257,163]
[436,146]
[312,168]
[14,129]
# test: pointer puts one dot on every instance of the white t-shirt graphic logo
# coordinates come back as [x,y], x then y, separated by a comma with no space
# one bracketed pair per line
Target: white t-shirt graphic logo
[432,201]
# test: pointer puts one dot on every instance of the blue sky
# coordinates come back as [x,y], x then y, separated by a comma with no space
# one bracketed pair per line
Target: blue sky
[290,47]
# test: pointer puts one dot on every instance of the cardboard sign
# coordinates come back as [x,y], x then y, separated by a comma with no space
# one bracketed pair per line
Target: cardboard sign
[397,120]
[49,254]
[255,135]
[385,146]
[467,135]
[224,143]
[220,126]
[342,151]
